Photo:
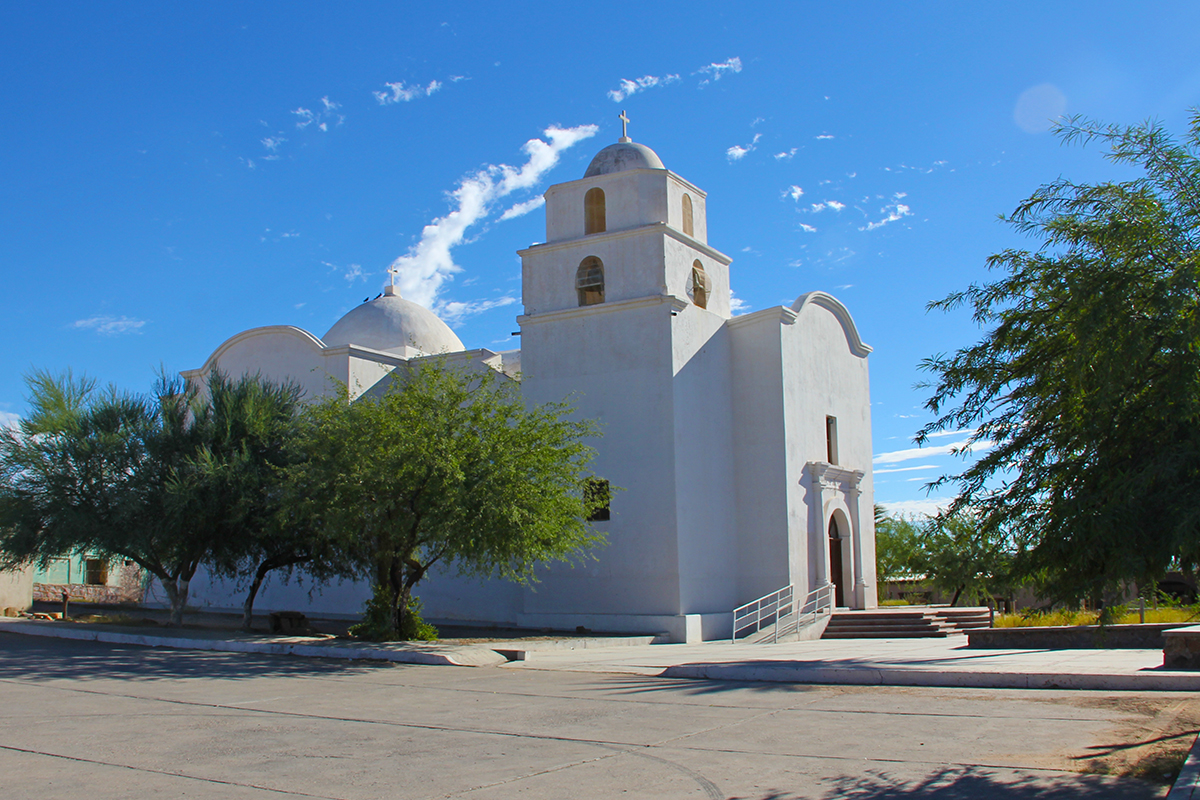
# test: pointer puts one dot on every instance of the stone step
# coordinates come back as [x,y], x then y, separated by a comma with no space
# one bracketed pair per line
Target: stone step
[908,624]
[877,634]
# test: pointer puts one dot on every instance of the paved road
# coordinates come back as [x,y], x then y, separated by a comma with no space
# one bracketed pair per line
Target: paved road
[96,721]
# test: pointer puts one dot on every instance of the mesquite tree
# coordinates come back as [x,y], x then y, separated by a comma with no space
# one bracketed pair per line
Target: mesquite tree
[445,467]
[1087,378]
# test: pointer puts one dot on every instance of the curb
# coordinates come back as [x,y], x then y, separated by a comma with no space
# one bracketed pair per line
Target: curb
[402,654]
[791,673]
[1187,785]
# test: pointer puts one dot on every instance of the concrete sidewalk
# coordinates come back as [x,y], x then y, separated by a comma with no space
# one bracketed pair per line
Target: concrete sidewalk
[237,642]
[896,662]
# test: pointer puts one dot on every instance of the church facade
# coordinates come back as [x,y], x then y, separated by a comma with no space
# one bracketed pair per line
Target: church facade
[741,445]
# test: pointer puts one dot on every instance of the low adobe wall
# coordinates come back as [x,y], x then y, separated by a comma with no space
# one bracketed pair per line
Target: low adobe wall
[16,588]
[87,593]
[1134,637]
[1182,650]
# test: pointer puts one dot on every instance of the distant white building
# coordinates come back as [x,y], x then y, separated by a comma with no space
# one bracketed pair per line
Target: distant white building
[742,444]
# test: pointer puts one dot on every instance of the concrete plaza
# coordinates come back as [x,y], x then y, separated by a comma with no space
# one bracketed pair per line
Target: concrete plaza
[113,721]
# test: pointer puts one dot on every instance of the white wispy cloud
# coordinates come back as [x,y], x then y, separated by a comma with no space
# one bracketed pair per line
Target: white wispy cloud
[272,142]
[905,469]
[737,305]
[111,326]
[962,432]
[9,420]
[786,155]
[321,118]
[916,508]
[807,228]
[399,92]
[351,272]
[824,136]
[628,87]
[794,192]
[428,264]
[455,312]
[521,209]
[716,70]
[898,456]
[824,204]
[738,152]
[892,211]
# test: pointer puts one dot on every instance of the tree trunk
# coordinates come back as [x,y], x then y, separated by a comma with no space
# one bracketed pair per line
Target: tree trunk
[957,593]
[396,585]
[268,564]
[169,586]
[177,594]
[248,606]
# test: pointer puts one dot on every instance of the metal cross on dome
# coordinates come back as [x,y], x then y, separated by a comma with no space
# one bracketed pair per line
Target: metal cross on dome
[624,125]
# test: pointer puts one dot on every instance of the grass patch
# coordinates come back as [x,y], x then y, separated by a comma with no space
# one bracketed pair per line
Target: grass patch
[894,603]
[1042,619]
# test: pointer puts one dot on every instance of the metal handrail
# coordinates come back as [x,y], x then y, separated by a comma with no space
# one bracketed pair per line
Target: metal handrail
[819,601]
[774,608]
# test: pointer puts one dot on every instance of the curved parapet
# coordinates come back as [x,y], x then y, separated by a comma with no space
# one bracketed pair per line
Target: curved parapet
[831,303]
[301,336]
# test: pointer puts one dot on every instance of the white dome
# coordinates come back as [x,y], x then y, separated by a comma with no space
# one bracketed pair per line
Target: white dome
[390,323]
[621,156]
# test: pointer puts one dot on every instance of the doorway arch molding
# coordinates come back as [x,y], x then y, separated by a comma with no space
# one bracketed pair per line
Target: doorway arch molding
[837,493]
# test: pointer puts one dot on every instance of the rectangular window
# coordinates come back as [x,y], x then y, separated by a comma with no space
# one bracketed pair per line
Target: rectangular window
[597,496]
[831,443]
[96,573]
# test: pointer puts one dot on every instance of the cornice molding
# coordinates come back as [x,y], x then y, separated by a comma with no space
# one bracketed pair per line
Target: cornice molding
[677,304]
[654,228]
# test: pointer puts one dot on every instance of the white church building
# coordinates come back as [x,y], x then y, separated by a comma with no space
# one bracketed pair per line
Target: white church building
[742,445]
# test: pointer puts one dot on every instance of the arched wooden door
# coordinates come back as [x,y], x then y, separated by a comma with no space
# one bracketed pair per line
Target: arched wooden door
[836,571]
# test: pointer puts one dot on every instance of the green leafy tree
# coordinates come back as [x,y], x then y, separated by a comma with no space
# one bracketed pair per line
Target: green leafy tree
[897,541]
[446,467]
[1085,386]
[170,481]
[232,486]
[89,470]
[961,558]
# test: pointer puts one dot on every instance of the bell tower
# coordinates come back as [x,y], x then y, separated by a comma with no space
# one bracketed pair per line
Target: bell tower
[641,229]
[625,308]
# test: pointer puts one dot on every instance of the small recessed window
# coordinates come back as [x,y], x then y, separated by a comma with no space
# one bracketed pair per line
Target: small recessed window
[597,496]
[698,285]
[831,443]
[589,281]
[688,227]
[594,220]
[96,572]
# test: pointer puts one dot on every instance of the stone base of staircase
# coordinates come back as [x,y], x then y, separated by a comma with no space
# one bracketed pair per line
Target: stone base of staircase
[905,622]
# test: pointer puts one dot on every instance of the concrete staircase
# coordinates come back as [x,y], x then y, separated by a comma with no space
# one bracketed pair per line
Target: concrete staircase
[905,622]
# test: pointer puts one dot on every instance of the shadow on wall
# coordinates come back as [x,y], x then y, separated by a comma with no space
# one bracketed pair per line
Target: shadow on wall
[973,783]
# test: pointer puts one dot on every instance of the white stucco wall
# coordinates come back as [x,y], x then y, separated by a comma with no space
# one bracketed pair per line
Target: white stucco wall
[705,499]
[760,455]
[825,373]
[614,361]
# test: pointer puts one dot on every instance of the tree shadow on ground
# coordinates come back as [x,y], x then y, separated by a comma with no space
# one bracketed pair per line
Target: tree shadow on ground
[975,784]
[57,659]
[648,684]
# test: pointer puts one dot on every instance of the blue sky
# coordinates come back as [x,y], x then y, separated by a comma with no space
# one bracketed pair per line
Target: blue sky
[175,174]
